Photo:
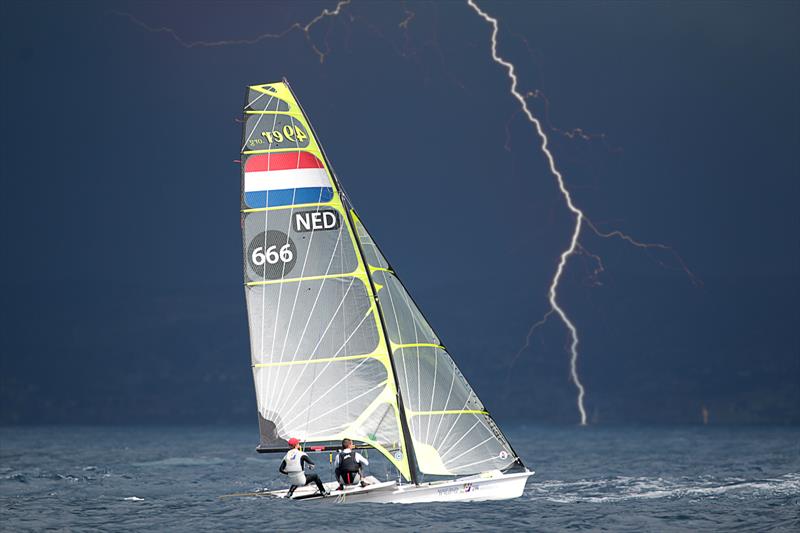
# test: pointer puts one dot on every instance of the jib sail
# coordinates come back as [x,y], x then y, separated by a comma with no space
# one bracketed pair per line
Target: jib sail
[452,432]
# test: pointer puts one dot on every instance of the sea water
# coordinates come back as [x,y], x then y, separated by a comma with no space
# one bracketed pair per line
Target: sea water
[171,478]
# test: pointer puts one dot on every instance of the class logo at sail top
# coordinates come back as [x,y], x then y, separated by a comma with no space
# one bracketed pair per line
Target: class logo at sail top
[285,178]
[276,132]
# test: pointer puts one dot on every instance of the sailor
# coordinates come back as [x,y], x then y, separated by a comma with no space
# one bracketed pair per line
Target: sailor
[293,465]
[349,464]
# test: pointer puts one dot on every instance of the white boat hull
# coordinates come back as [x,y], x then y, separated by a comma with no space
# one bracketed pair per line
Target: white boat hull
[481,487]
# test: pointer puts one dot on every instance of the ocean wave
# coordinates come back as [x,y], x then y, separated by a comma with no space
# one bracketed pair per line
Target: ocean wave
[182,461]
[25,477]
[14,476]
[629,488]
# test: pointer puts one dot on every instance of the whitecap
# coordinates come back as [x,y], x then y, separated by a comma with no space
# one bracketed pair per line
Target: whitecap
[625,488]
[183,461]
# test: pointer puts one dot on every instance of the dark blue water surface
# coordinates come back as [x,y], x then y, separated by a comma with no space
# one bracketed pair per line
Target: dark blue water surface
[156,478]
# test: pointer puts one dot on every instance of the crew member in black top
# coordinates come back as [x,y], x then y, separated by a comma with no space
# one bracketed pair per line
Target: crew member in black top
[349,464]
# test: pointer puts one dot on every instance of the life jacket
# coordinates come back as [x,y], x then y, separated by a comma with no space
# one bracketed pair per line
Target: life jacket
[347,461]
[292,459]
[294,468]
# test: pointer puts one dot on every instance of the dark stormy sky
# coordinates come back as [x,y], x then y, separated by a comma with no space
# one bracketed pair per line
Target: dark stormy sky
[122,296]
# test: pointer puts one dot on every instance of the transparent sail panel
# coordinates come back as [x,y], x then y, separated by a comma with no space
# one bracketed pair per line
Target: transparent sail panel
[404,322]
[318,401]
[264,101]
[380,425]
[311,319]
[373,256]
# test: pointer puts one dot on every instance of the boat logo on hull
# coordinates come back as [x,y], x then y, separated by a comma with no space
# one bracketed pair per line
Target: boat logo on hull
[466,487]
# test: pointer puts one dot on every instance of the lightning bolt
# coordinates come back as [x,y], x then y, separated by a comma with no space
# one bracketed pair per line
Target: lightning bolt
[579,216]
[409,17]
[574,133]
[297,26]
[697,282]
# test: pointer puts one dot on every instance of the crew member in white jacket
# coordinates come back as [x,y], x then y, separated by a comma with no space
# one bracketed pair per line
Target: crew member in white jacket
[293,465]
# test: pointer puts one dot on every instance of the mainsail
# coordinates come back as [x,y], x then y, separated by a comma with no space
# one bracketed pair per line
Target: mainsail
[339,348]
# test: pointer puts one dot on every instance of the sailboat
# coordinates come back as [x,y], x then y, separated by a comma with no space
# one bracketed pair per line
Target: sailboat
[339,349]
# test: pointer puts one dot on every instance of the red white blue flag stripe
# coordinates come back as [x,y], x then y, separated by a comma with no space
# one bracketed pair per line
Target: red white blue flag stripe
[285,178]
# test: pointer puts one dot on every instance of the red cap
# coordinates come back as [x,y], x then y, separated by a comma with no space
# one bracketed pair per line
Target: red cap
[294,442]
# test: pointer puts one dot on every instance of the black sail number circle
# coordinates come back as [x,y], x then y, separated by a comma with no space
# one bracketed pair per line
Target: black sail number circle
[271,254]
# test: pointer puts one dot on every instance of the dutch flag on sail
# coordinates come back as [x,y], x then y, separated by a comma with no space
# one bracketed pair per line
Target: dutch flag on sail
[285,178]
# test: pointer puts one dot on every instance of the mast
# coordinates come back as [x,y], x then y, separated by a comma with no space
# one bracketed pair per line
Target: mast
[412,460]
[407,440]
